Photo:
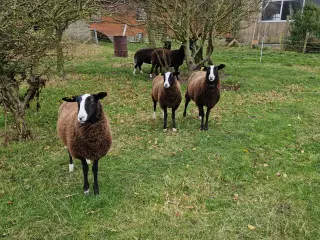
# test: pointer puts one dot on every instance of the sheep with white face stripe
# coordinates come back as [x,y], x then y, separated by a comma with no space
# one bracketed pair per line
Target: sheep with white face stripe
[204,89]
[166,90]
[84,129]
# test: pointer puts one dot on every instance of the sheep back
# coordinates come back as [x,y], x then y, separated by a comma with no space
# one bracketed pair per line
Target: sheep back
[161,57]
[143,55]
[201,92]
[83,140]
[167,97]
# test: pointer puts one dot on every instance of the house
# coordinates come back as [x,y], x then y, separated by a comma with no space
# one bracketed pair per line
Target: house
[272,22]
[132,22]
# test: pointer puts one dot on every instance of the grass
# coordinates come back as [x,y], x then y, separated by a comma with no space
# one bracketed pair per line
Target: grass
[258,164]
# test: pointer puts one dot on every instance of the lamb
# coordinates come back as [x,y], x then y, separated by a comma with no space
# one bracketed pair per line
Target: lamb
[168,58]
[166,90]
[204,89]
[84,129]
[144,56]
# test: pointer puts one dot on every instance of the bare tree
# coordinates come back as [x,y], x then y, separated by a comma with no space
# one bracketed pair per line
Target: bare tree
[23,58]
[198,21]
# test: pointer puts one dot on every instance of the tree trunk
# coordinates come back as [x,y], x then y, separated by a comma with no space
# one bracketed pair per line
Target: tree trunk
[59,50]
[9,96]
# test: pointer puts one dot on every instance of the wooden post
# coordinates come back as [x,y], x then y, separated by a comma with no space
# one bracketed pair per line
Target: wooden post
[305,42]
[96,36]
[280,40]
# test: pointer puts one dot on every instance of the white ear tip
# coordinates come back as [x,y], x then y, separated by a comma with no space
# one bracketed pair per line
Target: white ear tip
[71,167]
[86,192]
[88,161]
[154,115]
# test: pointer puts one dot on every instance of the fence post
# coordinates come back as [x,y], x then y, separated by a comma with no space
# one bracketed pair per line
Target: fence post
[305,42]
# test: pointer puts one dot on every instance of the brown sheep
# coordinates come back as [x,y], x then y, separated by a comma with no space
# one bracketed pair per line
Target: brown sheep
[166,90]
[204,89]
[84,129]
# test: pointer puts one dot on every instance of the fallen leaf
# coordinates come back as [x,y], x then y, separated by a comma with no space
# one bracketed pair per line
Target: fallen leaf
[265,165]
[235,197]
[289,125]
[10,202]
[252,228]
[245,150]
[193,149]
[285,175]
[302,151]
[189,207]
[278,174]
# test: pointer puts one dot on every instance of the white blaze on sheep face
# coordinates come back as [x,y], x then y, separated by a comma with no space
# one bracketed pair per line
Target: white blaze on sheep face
[211,76]
[83,114]
[167,79]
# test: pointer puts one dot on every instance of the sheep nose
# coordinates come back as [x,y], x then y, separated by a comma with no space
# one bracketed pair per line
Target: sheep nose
[81,119]
[166,85]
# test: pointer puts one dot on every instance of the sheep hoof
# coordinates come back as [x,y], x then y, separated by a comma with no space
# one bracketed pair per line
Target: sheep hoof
[174,129]
[134,71]
[154,115]
[164,130]
[200,117]
[141,72]
[86,192]
[71,167]
[88,161]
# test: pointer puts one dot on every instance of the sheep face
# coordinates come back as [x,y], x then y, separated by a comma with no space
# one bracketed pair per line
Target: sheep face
[169,79]
[87,105]
[212,72]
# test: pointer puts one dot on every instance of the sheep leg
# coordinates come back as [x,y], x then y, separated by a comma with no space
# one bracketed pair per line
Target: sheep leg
[85,169]
[154,109]
[174,120]
[186,104]
[152,67]
[201,114]
[71,166]
[207,118]
[176,69]
[165,119]
[95,177]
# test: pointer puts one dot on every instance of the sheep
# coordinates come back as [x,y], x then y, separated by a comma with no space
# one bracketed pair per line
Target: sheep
[204,89]
[168,58]
[166,90]
[84,129]
[144,56]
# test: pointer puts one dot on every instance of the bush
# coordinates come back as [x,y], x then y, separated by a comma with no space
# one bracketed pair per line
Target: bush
[305,21]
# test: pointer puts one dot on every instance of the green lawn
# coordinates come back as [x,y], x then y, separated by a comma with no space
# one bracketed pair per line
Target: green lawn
[258,164]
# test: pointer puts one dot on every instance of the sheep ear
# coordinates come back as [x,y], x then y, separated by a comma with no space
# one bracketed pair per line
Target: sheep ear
[100,95]
[221,66]
[70,99]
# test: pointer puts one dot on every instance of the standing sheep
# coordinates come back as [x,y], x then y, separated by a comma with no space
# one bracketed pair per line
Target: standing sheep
[166,90]
[204,89]
[167,58]
[144,56]
[84,128]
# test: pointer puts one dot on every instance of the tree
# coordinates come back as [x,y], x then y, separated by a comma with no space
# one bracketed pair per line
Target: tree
[198,21]
[58,15]
[23,58]
[306,21]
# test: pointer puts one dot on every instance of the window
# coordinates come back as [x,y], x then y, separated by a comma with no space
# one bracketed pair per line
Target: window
[141,14]
[277,11]
[96,17]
